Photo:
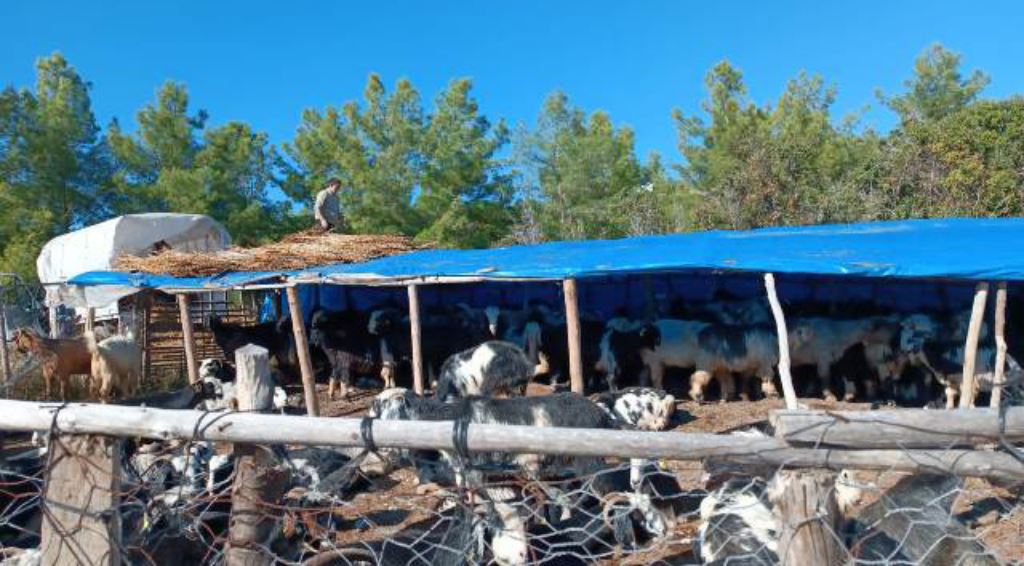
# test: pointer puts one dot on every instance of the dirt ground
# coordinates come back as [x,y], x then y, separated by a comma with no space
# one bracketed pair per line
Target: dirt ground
[993,513]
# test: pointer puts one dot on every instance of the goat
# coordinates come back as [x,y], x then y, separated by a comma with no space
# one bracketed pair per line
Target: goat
[116,365]
[60,358]
[491,367]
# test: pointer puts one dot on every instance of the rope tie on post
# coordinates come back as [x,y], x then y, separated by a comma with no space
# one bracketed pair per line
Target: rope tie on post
[366,434]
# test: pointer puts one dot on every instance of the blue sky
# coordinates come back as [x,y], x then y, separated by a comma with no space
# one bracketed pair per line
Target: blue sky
[264,62]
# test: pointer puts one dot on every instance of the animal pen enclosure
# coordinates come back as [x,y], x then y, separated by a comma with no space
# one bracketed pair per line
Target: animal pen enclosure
[831,483]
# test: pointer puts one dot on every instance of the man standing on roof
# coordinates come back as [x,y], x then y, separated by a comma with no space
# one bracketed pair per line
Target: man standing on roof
[327,210]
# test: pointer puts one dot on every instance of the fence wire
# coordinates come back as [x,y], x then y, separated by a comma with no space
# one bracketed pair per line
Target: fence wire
[178,502]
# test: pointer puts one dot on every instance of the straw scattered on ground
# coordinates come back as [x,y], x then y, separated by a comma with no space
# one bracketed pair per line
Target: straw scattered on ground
[296,251]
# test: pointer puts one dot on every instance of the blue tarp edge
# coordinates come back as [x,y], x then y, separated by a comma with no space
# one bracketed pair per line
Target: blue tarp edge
[952,248]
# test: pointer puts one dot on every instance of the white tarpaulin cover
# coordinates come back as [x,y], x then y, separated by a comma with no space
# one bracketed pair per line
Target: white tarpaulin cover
[94,248]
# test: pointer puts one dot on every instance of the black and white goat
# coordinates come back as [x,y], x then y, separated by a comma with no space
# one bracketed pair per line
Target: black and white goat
[640,408]
[564,410]
[490,368]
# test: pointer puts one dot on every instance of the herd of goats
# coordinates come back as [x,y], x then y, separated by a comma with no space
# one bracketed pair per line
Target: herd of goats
[727,348]
[503,508]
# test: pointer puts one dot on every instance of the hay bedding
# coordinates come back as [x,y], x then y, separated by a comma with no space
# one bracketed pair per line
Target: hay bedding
[296,251]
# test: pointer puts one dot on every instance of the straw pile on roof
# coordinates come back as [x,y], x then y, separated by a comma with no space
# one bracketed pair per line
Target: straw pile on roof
[296,251]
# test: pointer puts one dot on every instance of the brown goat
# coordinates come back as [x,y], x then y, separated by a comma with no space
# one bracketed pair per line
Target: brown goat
[60,357]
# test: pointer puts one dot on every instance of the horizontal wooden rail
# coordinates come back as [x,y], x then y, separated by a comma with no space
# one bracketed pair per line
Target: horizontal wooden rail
[903,428]
[114,420]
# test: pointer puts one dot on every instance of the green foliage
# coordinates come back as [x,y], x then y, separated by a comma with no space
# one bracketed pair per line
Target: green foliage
[937,88]
[583,179]
[174,163]
[450,176]
[432,176]
[50,178]
[781,164]
[966,164]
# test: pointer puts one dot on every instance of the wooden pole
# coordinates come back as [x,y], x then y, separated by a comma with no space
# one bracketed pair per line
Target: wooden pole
[910,428]
[971,347]
[188,337]
[147,358]
[161,424]
[254,383]
[805,506]
[572,325]
[5,359]
[416,338]
[780,328]
[82,487]
[54,322]
[276,429]
[999,379]
[258,483]
[302,347]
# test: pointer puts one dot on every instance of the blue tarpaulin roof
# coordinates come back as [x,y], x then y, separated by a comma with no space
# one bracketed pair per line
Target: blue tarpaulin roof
[979,249]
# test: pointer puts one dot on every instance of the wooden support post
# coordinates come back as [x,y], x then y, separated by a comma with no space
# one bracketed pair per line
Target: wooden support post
[254,384]
[258,483]
[302,346]
[90,319]
[5,359]
[81,523]
[572,324]
[54,322]
[780,327]
[999,379]
[416,338]
[808,516]
[188,337]
[967,385]
[147,358]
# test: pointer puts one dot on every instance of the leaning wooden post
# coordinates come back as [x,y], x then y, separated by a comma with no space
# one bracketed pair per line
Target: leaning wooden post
[780,328]
[415,336]
[302,347]
[572,324]
[188,337]
[258,483]
[971,347]
[999,379]
[805,508]
[81,522]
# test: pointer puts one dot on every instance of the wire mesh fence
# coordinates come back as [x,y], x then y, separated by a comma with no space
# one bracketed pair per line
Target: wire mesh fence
[192,502]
